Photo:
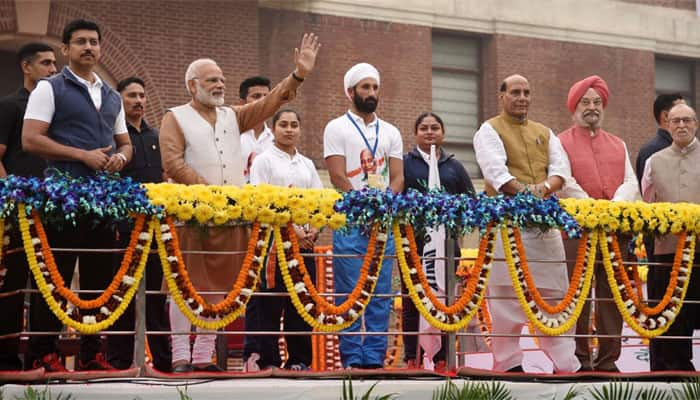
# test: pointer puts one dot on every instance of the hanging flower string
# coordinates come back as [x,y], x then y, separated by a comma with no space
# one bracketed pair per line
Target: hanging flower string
[4,231]
[127,264]
[84,323]
[300,295]
[574,285]
[648,326]
[192,305]
[428,305]
[563,321]
[324,305]
[671,289]
[471,283]
[485,326]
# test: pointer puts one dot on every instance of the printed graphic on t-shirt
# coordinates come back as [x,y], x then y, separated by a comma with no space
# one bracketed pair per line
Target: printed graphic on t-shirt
[372,172]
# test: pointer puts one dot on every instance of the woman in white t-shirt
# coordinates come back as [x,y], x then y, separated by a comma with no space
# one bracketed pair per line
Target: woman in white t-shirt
[283,165]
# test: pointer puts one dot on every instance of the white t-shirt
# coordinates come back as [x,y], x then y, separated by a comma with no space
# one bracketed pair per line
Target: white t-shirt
[252,146]
[341,137]
[275,167]
[41,105]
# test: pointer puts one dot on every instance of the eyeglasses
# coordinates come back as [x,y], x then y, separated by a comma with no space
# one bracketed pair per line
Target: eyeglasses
[686,120]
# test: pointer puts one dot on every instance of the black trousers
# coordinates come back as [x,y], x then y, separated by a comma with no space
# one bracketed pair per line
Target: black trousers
[120,348]
[12,307]
[265,316]
[673,354]
[95,274]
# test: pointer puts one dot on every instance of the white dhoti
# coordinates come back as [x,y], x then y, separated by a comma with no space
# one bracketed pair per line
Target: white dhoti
[507,315]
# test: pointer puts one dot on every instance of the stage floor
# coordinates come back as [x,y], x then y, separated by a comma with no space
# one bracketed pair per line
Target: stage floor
[288,389]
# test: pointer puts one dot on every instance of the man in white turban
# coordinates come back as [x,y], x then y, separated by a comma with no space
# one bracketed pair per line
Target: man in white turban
[345,140]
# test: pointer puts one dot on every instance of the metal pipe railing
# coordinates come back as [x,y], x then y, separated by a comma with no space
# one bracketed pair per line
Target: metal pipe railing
[140,332]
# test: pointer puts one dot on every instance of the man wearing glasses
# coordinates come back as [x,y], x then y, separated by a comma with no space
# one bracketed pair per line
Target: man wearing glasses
[200,144]
[672,175]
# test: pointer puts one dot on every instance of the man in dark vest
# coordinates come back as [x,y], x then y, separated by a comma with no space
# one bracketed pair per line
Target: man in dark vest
[36,60]
[76,122]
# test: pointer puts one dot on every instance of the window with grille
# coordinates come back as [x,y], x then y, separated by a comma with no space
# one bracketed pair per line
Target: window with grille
[456,76]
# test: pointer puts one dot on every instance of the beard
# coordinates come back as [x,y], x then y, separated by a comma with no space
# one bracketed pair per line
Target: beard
[367,105]
[207,98]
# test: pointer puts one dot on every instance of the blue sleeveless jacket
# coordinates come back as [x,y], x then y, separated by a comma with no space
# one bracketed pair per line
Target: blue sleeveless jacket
[76,121]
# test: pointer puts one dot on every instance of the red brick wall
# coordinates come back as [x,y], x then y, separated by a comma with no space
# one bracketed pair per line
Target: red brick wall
[400,52]
[553,66]
[158,39]
[8,16]
[683,4]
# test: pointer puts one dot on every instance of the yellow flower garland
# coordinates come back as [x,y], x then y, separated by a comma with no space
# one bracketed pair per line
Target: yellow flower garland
[177,295]
[634,217]
[347,318]
[421,307]
[46,290]
[669,314]
[540,320]
[220,205]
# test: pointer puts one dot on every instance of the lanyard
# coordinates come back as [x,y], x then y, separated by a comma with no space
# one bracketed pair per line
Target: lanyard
[376,135]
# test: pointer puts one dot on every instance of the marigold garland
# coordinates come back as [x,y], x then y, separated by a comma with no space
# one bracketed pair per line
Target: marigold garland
[90,325]
[221,205]
[60,285]
[300,294]
[470,283]
[645,325]
[185,296]
[438,315]
[567,318]
[573,285]
[485,326]
[243,281]
[637,297]
[326,306]
[634,217]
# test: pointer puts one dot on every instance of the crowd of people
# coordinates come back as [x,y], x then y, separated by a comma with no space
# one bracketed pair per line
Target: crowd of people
[73,122]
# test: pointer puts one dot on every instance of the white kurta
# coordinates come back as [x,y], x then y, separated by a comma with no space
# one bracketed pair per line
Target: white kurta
[213,152]
[550,277]
[491,156]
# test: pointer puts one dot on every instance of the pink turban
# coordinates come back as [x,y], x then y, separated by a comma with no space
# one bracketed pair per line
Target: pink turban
[581,87]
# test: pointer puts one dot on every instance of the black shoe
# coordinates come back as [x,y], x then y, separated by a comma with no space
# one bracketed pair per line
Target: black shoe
[585,368]
[519,368]
[50,362]
[297,367]
[208,368]
[185,368]
[99,363]
[372,366]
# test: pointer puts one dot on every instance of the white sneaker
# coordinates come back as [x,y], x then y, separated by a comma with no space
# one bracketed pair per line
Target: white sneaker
[251,364]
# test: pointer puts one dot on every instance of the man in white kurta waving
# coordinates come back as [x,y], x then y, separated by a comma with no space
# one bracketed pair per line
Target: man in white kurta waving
[200,144]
